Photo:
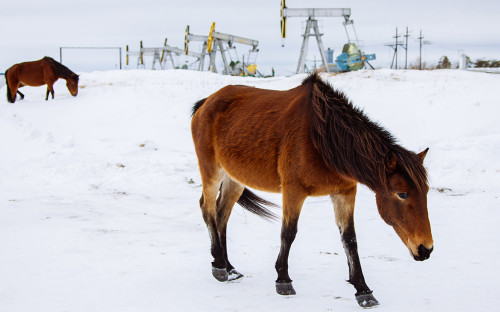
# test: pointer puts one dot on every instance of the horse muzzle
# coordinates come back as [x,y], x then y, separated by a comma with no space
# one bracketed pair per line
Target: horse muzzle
[423,253]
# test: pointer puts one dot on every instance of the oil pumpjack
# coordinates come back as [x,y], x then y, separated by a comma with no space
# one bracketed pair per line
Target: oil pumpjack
[352,58]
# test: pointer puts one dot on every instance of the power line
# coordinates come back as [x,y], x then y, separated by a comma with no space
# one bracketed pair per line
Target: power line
[422,42]
[406,48]
[395,47]
[420,55]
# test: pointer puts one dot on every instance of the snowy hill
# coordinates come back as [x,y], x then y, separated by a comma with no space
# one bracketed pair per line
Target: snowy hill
[99,201]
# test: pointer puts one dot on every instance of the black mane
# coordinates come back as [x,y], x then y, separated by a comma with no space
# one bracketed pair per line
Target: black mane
[60,70]
[352,144]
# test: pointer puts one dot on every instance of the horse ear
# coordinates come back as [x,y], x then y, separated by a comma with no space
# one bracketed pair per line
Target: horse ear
[422,154]
[390,162]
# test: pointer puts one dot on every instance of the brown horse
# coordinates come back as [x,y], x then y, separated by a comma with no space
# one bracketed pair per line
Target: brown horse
[307,141]
[37,73]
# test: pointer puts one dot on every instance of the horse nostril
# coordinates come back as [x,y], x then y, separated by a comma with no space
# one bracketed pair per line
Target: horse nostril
[424,252]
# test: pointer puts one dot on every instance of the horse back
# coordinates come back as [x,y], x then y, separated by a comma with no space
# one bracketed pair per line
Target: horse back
[262,138]
[34,73]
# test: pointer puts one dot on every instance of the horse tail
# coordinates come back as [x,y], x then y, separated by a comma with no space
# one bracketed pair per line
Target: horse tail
[9,96]
[197,105]
[253,203]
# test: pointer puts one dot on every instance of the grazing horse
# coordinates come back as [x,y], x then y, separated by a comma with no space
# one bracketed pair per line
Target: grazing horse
[307,141]
[37,73]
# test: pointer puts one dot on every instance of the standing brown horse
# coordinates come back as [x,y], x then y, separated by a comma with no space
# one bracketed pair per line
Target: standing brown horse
[37,73]
[307,141]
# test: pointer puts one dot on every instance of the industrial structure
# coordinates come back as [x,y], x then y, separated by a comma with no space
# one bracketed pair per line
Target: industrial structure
[160,55]
[352,58]
[188,37]
[222,43]
[213,45]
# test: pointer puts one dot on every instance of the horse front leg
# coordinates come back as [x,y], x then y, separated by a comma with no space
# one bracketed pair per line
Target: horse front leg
[344,216]
[50,89]
[293,200]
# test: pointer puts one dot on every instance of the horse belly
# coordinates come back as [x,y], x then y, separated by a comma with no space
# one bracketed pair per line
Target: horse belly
[252,170]
[252,162]
[32,81]
[32,76]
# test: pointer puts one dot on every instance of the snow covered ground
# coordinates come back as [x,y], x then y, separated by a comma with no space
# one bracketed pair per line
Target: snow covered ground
[99,201]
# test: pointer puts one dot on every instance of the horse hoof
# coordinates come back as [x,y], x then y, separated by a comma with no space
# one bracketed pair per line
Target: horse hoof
[220,274]
[285,289]
[234,275]
[367,301]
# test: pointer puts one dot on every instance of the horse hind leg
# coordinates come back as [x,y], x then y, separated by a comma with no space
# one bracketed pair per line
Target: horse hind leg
[50,89]
[344,217]
[12,89]
[208,202]
[20,94]
[230,192]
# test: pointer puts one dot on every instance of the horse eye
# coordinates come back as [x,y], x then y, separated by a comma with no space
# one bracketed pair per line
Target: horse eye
[402,195]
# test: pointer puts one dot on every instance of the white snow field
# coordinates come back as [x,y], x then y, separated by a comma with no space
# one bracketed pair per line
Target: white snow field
[99,201]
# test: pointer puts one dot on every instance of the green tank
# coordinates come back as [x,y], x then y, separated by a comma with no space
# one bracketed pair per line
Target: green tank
[352,58]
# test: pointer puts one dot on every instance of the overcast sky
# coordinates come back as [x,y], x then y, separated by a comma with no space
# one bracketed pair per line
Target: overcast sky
[32,29]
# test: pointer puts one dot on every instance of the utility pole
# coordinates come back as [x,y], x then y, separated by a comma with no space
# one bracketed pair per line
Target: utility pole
[395,47]
[406,48]
[420,56]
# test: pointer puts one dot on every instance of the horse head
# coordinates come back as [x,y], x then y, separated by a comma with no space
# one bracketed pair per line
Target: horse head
[72,84]
[404,207]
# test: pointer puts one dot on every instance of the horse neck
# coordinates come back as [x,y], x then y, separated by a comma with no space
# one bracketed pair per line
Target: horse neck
[64,73]
[350,143]
[359,148]
[60,70]
[361,153]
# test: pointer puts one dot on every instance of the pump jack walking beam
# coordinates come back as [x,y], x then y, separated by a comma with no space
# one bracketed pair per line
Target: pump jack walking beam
[215,42]
[312,23]
[191,37]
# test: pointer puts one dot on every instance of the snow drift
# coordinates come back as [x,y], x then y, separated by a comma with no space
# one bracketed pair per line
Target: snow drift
[99,200]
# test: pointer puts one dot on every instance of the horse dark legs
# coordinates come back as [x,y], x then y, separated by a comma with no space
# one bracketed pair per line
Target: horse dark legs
[13,95]
[216,214]
[47,94]
[284,283]
[50,89]
[12,86]
[211,184]
[230,192]
[344,216]
[22,95]
[292,205]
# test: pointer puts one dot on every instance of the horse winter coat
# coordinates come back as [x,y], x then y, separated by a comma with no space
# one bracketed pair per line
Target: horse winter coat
[307,141]
[38,73]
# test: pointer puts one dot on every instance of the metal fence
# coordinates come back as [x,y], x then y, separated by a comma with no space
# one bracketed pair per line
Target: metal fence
[91,48]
